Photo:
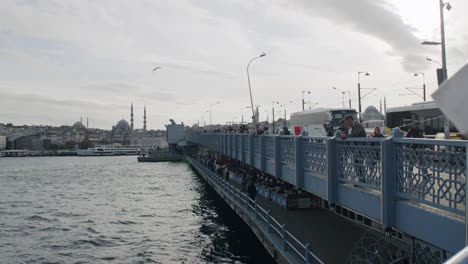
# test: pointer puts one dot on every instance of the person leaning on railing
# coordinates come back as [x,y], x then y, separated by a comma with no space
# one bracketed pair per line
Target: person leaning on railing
[356,130]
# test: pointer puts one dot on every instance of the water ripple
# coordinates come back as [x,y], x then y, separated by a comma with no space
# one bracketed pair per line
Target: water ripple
[115,210]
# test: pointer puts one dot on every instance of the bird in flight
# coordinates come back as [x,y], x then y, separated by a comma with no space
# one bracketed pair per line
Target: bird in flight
[156,68]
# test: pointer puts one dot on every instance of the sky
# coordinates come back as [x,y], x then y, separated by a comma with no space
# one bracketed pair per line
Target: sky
[63,60]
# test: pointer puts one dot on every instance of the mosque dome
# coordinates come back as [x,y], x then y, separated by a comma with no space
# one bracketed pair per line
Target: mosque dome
[371,113]
[78,126]
[122,124]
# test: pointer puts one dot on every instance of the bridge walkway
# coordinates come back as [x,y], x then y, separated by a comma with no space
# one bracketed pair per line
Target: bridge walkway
[332,237]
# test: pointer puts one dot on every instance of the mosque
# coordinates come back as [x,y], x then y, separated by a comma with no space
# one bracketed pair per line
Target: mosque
[124,133]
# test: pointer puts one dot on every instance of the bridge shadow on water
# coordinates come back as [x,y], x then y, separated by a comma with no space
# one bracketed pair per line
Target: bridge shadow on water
[229,239]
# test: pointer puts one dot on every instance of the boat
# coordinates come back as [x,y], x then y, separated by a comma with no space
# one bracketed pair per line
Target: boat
[109,150]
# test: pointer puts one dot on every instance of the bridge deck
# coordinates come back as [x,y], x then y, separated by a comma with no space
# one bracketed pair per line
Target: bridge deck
[332,237]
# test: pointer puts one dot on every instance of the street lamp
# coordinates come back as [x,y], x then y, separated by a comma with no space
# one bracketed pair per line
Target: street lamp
[444,58]
[343,94]
[442,5]
[303,102]
[359,88]
[211,106]
[424,84]
[250,89]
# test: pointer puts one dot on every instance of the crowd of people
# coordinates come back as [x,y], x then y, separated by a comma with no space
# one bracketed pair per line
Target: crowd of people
[249,176]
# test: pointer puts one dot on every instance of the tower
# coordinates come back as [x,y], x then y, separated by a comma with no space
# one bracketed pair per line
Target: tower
[144,119]
[385,104]
[131,117]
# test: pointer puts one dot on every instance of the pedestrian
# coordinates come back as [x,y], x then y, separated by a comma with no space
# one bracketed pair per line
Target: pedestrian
[418,152]
[377,132]
[356,130]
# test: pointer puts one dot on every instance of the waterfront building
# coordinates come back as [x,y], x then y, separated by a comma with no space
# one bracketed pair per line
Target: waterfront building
[121,133]
[2,142]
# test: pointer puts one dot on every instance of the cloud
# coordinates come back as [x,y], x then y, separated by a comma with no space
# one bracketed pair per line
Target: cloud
[375,18]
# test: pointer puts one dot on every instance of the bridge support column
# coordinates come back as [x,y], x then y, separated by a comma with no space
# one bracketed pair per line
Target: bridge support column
[299,158]
[227,142]
[241,141]
[262,153]
[332,171]
[251,151]
[277,150]
[466,195]
[389,180]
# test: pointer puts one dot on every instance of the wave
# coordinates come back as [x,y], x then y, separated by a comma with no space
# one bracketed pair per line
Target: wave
[95,242]
[39,218]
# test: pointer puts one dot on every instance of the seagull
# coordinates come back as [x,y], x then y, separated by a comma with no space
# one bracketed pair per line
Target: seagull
[156,68]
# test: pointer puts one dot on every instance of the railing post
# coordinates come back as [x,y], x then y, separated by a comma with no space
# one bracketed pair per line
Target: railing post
[331,169]
[262,153]
[285,237]
[251,151]
[299,158]
[307,252]
[277,158]
[269,220]
[466,194]
[389,179]
[242,150]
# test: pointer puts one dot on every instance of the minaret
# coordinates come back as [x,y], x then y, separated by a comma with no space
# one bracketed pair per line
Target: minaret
[381,105]
[131,117]
[144,119]
[87,122]
[385,104]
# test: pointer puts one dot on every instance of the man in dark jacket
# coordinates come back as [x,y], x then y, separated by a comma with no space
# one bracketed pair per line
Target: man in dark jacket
[356,130]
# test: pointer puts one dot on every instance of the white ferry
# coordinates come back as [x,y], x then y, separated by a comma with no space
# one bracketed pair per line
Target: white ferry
[109,151]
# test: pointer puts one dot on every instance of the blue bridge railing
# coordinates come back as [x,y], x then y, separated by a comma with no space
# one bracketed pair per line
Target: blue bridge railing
[301,252]
[410,185]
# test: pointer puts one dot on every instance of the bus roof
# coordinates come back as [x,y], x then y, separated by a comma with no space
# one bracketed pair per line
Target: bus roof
[413,107]
[321,110]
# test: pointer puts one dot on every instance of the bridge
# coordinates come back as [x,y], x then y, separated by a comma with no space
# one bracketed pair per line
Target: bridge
[409,187]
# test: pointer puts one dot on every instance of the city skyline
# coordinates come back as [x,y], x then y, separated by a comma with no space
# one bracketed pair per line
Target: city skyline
[92,59]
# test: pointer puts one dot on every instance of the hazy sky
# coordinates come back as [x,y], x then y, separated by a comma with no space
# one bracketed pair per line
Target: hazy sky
[60,60]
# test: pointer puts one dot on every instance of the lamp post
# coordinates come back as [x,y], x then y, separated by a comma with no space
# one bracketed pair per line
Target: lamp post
[443,75]
[273,114]
[359,88]
[424,84]
[250,89]
[442,35]
[211,106]
[303,102]
[442,5]
[343,94]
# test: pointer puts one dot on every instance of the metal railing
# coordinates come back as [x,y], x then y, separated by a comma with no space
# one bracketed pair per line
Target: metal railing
[261,216]
[424,172]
